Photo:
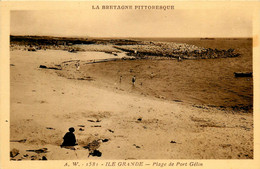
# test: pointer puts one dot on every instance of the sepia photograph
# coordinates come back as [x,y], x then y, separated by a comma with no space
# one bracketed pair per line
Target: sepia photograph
[130,82]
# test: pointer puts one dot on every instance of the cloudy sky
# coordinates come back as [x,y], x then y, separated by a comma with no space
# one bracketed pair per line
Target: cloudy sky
[132,23]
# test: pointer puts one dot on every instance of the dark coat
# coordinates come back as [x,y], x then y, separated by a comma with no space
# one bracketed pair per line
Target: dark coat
[69,139]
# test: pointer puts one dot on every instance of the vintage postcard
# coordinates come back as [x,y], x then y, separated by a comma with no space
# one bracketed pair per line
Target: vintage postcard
[135,84]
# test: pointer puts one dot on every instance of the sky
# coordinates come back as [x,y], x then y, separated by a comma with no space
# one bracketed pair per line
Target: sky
[132,23]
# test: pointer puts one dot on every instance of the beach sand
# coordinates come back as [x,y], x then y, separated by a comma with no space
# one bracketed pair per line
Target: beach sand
[126,125]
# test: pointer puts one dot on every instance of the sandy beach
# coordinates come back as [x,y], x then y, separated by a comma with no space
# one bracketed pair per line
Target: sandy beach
[122,122]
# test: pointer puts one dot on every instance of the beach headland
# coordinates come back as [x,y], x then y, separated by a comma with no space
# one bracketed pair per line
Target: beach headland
[193,109]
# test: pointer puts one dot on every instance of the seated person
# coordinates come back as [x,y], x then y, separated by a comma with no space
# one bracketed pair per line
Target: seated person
[69,138]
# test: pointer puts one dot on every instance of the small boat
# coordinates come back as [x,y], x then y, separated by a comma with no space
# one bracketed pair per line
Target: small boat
[243,74]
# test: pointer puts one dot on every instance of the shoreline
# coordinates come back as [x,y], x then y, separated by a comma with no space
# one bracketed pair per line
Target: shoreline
[107,73]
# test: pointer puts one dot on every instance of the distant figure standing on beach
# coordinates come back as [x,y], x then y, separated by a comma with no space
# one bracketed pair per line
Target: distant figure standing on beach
[78,66]
[179,59]
[133,80]
[120,80]
[151,75]
[69,138]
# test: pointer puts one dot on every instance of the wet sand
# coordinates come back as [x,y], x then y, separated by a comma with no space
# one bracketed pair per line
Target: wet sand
[44,105]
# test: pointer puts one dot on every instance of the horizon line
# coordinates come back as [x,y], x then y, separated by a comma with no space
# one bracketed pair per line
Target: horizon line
[119,37]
